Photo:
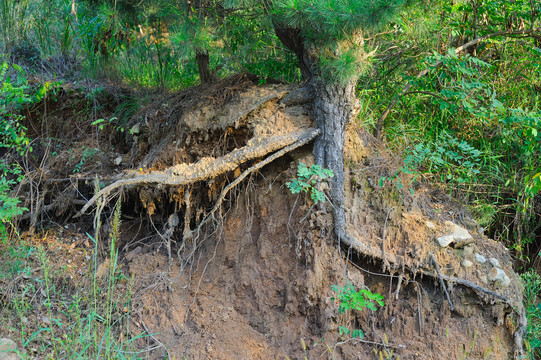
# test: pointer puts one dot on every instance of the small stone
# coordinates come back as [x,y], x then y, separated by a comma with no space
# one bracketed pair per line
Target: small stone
[494,262]
[467,263]
[468,250]
[462,236]
[446,240]
[8,349]
[430,225]
[24,320]
[480,258]
[459,233]
[132,254]
[499,277]
[118,160]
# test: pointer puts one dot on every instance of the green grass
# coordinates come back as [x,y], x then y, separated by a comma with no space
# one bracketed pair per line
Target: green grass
[56,314]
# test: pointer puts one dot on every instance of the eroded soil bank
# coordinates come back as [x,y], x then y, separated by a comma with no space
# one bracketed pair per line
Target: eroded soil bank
[255,281]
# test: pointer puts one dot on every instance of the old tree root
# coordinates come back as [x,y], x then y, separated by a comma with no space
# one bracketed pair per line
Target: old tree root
[207,168]
[277,146]
[358,246]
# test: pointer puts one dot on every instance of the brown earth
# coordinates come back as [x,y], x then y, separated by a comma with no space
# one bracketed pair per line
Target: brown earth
[255,283]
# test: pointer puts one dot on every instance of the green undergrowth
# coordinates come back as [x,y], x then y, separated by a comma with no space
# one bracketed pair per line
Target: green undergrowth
[57,311]
[532,289]
[472,124]
[144,45]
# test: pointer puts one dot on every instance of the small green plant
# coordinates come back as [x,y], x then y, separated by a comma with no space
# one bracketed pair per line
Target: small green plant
[101,123]
[453,160]
[87,154]
[350,299]
[308,179]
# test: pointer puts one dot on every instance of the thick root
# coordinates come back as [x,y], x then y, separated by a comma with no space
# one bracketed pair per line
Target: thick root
[207,168]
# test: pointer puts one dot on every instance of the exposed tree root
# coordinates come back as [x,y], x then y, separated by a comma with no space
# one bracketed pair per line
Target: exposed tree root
[362,249]
[250,170]
[437,268]
[207,168]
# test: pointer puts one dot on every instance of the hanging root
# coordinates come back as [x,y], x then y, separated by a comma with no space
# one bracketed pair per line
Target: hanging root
[362,249]
[207,168]
[435,263]
[248,171]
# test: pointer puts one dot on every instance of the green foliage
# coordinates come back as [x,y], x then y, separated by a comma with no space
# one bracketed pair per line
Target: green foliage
[333,28]
[461,86]
[532,289]
[451,159]
[307,180]
[13,27]
[87,154]
[326,22]
[486,98]
[12,137]
[351,300]
[356,300]
[490,16]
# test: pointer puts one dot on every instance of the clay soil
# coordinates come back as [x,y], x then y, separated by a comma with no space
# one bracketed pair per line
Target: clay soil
[255,281]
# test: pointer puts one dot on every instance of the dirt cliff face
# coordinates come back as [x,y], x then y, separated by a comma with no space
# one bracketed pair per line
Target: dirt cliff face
[255,281]
[260,285]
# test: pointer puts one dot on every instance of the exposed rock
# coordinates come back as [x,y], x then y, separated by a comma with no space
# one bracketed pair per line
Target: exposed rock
[445,240]
[499,277]
[480,258]
[467,263]
[118,160]
[7,350]
[430,225]
[494,262]
[460,237]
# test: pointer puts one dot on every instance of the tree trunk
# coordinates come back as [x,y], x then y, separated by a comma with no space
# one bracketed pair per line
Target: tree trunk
[333,108]
[203,60]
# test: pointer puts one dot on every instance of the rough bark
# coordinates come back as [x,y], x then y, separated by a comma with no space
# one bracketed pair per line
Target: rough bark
[203,61]
[293,41]
[333,108]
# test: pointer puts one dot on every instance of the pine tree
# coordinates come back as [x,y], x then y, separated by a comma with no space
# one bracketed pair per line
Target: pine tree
[199,24]
[327,37]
